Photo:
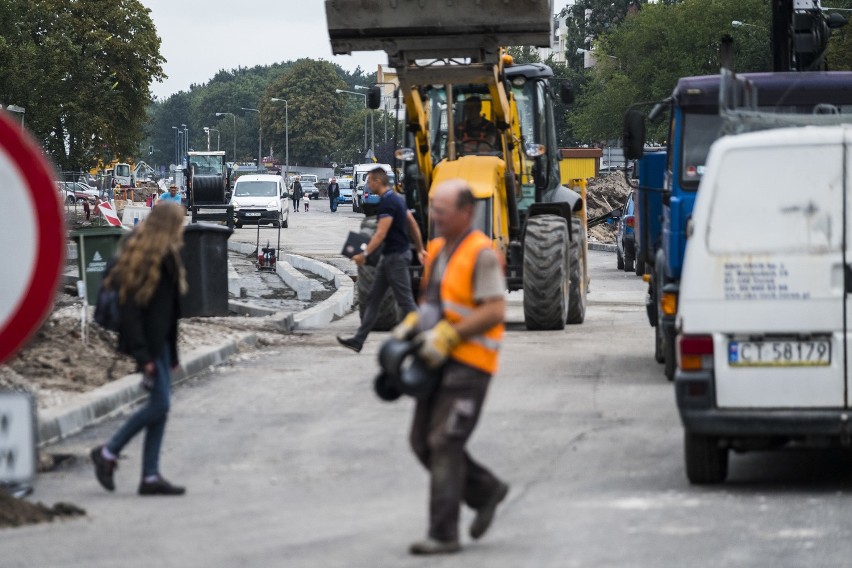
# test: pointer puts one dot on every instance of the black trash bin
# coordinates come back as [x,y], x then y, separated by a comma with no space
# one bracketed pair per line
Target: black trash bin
[95,246]
[205,255]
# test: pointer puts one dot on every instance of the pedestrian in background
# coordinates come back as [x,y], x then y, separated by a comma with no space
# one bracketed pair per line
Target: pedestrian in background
[172,196]
[395,225]
[149,278]
[459,327]
[333,194]
[297,194]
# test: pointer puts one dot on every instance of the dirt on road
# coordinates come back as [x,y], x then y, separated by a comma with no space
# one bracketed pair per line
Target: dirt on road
[604,194]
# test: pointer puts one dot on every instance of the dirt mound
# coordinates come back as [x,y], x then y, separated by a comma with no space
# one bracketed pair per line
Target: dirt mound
[603,194]
[17,512]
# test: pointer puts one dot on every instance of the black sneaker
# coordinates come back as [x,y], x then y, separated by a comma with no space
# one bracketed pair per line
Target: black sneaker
[104,468]
[160,487]
[485,514]
[431,546]
[350,343]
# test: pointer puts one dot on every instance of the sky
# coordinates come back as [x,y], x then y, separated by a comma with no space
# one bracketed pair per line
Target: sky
[201,38]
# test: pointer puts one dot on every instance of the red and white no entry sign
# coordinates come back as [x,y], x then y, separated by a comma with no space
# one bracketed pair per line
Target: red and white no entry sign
[32,234]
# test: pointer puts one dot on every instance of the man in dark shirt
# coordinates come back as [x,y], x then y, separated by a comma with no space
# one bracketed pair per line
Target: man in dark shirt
[395,224]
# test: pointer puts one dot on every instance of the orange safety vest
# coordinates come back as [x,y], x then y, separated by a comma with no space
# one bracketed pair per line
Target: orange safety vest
[479,351]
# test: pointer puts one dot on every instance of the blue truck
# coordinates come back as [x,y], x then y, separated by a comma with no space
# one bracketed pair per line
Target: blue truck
[669,181]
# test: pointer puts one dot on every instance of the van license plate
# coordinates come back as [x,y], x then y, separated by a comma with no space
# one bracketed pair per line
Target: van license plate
[252,214]
[815,353]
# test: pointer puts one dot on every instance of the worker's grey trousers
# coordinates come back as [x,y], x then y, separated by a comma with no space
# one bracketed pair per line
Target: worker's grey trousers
[442,424]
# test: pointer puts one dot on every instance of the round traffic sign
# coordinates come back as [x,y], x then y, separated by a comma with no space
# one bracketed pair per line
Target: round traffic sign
[33,235]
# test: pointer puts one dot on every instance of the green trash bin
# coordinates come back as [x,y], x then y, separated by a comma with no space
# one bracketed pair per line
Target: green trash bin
[95,247]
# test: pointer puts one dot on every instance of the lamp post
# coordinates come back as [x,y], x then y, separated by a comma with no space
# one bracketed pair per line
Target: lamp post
[286,137]
[185,148]
[372,123]
[207,131]
[338,91]
[259,131]
[18,109]
[177,150]
[234,157]
[216,130]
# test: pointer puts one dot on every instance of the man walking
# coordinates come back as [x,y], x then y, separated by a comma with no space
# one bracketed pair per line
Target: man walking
[460,324]
[333,194]
[395,223]
[297,194]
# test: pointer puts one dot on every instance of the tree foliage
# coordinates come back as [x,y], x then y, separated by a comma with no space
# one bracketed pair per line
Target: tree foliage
[642,57]
[82,70]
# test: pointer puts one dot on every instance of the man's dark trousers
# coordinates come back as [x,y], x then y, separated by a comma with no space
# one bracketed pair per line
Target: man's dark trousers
[391,272]
[442,424]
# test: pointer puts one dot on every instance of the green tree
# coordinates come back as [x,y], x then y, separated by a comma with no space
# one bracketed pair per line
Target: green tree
[315,111]
[83,71]
[642,58]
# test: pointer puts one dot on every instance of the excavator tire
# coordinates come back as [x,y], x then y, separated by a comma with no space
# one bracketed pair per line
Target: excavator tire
[577,276]
[546,272]
[389,312]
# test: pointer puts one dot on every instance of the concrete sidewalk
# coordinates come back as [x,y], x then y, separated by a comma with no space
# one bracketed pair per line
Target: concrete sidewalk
[55,424]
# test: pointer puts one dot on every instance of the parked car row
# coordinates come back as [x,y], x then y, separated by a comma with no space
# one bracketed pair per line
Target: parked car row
[75,191]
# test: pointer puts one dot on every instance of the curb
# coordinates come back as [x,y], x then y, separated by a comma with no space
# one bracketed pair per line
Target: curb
[89,408]
[603,246]
[55,424]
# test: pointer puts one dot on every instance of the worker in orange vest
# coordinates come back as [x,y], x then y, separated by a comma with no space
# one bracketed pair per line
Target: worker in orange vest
[459,325]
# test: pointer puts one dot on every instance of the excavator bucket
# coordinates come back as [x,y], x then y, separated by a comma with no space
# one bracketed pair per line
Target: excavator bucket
[433,29]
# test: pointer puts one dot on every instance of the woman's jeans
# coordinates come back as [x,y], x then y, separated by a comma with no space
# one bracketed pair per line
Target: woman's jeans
[152,417]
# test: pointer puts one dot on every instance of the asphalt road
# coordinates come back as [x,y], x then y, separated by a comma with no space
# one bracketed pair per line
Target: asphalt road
[290,460]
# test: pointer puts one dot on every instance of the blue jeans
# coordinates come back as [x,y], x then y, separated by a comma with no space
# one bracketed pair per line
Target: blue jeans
[152,417]
[333,204]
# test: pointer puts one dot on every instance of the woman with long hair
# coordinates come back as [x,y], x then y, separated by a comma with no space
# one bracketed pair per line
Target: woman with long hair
[149,278]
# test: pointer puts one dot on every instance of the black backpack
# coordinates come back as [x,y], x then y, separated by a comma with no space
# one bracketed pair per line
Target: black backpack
[107,313]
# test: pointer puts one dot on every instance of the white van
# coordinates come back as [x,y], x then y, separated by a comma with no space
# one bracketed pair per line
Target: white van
[360,195]
[764,317]
[260,199]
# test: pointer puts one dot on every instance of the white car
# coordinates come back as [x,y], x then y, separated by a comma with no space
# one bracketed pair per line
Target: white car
[260,199]
[764,312]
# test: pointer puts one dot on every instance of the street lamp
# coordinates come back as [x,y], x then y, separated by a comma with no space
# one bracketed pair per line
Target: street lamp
[338,91]
[209,129]
[177,142]
[21,110]
[234,157]
[259,147]
[286,136]
[372,123]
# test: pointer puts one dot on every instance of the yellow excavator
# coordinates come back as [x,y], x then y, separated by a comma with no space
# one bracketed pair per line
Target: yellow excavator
[449,60]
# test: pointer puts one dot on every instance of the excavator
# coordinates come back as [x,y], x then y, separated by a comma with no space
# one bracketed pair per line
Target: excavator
[449,53]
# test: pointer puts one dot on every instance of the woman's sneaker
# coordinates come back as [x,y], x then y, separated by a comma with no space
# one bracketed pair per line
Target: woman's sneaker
[160,487]
[104,468]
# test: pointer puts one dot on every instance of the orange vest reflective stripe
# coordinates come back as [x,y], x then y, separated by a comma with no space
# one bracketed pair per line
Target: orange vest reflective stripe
[457,299]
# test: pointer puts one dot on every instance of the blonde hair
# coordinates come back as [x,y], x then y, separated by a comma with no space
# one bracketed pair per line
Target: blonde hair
[139,266]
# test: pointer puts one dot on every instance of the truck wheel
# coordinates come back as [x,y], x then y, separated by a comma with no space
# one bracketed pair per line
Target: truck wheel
[546,272]
[706,461]
[577,276]
[640,266]
[658,345]
[628,262]
[389,312]
[619,260]
[669,346]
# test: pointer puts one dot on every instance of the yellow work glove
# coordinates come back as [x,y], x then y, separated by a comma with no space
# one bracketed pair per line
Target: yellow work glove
[407,328]
[436,343]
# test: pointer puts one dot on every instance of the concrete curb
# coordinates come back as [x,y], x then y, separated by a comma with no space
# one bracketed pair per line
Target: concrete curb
[89,408]
[606,247]
[294,279]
